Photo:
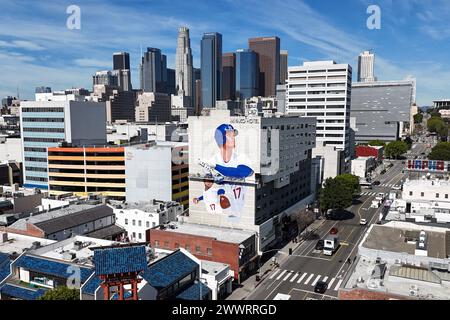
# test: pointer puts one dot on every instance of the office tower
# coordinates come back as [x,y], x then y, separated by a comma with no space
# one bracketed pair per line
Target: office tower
[211,69]
[278,171]
[43,89]
[322,89]
[124,79]
[247,73]
[184,66]
[121,61]
[382,109]
[120,105]
[283,66]
[153,107]
[198,97]
[268,49]
[171,81]
[229,76]
[107,78]
[197,74]
[48,123]
[366,61]
[153,71]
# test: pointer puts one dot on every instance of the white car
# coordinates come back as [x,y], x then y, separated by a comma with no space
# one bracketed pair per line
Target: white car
[363,222]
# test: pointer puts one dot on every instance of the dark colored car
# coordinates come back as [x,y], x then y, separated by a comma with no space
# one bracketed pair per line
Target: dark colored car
[376,183]
[333,231]
[321,287]
[320,244]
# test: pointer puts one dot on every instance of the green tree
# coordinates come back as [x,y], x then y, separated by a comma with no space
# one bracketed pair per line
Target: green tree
[335,194]
[395,149]
[437,125]
[440,152]
[377,143]
[418,118]
[351,182]
[61,293]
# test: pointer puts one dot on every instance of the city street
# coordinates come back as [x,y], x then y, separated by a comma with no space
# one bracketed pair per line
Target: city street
[299,273]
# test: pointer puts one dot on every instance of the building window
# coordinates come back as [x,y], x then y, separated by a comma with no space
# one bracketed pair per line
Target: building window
[446,196]
[437,195]
[147,224]
[134,222]
[153,224]
[166,244]
[410,193]
[156,243]
[188,247]
[126,222]
[198,249]
[177,245]
[134,235]
[209,251]
[422,194]
[140,236]
[140,223]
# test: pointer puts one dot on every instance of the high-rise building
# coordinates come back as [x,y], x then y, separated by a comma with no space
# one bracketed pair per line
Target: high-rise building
[322,89]
[121,61]
[247,72]
[153,71]
[273,178]
[107,78]
[184,66]
[366,61]
[229,76]
[198,97]
[268,49]
[211,69]
[283,66]
[47,123]
[171,81]
[153,107]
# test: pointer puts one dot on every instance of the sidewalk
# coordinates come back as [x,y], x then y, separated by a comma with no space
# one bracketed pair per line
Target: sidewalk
[249,285]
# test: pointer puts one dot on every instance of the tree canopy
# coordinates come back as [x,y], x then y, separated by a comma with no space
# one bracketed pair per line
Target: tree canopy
[418,118]
[440,152]
[395,149]
[437,125]
[377,143]
[61,293]
[351,182]
[335,194]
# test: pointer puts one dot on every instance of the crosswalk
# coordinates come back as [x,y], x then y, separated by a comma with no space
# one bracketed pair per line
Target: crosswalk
[306,279]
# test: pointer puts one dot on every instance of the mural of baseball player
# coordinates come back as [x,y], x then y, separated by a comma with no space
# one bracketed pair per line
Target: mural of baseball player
[214,198]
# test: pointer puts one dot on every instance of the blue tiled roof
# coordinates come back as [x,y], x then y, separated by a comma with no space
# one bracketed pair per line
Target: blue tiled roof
[4,266]
[193,292]
[120,260]
[91,286]
[48,267]
[166,271]
[21,293]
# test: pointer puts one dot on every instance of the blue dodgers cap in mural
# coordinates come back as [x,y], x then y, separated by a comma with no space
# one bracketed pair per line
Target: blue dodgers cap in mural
[221,131]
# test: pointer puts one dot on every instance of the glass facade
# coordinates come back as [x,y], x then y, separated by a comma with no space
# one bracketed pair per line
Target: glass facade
[247,70]
[211,69]
[153,71]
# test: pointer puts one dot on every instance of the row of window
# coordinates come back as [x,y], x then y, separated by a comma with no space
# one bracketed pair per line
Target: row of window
[58,130]
[36,169]
[42,110]
[318,85]
[39,179]
[198,249]
[33,159]
[422,194]
[53,140]
[43,119]
[139,223]
[31,149]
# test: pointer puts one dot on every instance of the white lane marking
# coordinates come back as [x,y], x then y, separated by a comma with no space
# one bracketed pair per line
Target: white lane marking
[338,285]
[287,277]
[301,278]
[281,274]
[309,279]
[274,274]
[317,280]
[294,277]
[331,282]
[325,279]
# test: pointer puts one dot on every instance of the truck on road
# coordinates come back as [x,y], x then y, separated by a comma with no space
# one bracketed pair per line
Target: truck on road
[331,245]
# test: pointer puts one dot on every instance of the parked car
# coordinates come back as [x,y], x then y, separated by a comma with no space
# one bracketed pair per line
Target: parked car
[321,287]
[376,183]
[333,231]
[363,222]
[319,245]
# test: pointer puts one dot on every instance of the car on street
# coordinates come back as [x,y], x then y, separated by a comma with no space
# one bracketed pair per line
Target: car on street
[363,222]
[320,244]
[333,231]
[321,287]
[376,183]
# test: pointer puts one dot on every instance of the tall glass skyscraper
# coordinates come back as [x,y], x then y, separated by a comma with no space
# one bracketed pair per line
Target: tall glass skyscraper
[184,67]
[268,49]
[121,60]
[153,71]
[247,72]
[211,69]
[229,76]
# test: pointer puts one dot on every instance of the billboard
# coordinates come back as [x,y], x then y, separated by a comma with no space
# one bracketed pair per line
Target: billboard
[224,158]
[428,165]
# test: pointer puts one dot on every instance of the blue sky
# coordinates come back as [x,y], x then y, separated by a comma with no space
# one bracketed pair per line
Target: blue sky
[37,49]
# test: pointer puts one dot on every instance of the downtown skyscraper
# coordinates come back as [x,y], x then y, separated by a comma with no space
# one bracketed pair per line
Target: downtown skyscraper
[211,69]
[268,49]
[184,67]
[153,71]
[247,73]
[366,62]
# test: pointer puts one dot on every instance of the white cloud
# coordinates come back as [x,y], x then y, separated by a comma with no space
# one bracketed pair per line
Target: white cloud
[21,44]
[93,63]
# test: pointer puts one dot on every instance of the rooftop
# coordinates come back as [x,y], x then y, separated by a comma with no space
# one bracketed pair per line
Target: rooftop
[148,206]
[16,243]
[425,183]
[120,260]
[221,234]
[401,237]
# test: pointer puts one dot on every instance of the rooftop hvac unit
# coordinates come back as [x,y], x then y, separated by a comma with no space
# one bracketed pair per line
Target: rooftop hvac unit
[69,255]
[35,245]
[77,245]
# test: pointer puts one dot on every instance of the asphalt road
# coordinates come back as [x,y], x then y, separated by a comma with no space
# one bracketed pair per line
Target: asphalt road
[298,274]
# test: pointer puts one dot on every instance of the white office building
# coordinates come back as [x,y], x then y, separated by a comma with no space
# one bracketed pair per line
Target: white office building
[366,62]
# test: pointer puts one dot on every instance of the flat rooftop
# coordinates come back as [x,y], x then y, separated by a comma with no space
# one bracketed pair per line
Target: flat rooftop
[211,267]
[18,243]
[397,236]
[144,206]
[220,234]
[424,183]
[83,255]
